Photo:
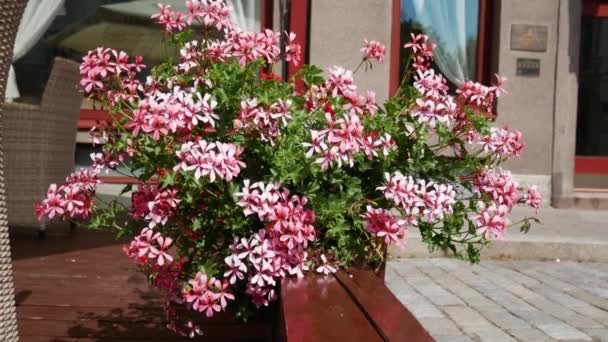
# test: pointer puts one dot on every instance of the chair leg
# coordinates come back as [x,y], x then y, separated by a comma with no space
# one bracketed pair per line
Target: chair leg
[42,231]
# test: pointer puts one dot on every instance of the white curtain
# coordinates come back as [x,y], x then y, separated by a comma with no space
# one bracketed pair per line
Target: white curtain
[37,18]
[445,22]
[246,14]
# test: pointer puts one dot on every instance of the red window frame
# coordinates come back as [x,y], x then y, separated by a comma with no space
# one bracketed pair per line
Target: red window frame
[592,164]
[595,8]
[482,72]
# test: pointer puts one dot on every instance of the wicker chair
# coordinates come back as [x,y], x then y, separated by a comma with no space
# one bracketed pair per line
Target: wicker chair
[10,15]
[40,142]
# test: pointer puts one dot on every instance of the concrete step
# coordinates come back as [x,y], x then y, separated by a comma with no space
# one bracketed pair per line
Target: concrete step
[565,234]
[584,200]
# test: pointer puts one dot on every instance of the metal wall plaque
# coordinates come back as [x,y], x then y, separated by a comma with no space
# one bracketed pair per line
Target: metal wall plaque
[528,67]
[529,38]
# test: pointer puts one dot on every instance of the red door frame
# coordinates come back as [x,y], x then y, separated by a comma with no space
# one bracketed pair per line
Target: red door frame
[592,164]
[299,23]
[482,72]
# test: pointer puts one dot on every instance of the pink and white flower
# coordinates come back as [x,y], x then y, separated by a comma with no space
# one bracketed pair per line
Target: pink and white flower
[491,221]
[373,50]
[325,268]
[210,159]
[386,225]
[503,142]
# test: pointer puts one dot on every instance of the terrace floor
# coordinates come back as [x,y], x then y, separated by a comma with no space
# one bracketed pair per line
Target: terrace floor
[81,287]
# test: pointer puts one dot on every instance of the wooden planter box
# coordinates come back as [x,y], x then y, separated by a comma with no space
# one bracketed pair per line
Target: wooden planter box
[353,306]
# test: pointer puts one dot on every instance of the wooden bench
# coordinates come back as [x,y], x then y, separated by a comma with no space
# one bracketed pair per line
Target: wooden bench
[354,306]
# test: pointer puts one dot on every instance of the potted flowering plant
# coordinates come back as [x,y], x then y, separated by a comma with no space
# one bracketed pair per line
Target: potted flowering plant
[244,178]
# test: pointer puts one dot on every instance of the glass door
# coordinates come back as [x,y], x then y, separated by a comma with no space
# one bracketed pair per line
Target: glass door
[591,164]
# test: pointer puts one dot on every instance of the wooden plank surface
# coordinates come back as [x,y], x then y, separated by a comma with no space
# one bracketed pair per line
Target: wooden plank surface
[81,287]
[354,306]
[317,308]
[392,320]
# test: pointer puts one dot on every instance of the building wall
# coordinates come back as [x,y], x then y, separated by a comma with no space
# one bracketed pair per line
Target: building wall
[543,108]
[337,30]
[566,96]
[529,106]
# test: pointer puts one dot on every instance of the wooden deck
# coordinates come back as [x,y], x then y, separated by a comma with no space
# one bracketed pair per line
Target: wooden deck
[81,287]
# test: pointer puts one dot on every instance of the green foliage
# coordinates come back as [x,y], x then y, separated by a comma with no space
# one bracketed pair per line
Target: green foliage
[207,218]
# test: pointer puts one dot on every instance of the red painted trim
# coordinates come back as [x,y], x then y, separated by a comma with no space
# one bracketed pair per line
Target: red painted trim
[299,24]
[93,114]
[591,165]
[118,180]
[90,117]
[266,14]
[482,72]
[395,44]
[124,180]
[595,8]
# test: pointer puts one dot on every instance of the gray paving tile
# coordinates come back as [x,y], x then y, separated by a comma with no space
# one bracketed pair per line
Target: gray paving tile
[504,300]
[440,326]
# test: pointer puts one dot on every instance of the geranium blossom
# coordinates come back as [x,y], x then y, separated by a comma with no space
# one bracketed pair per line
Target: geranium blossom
[343,140]
[214,160]
[419,199]
[180,111]
[373,50]
[261,120]
[325,267]
[249,46]
[491,221]
[211,13]
[503,142]
[498,185]
[102,66]
[293,51]
[431,110]
[73,199]
[422,51]
[162,207]
[341,82]
[201,296]
[170,19]
[477,94]
[53,204]
[533,197]
[429,84]
[386,225]
[150,247]
[280,250]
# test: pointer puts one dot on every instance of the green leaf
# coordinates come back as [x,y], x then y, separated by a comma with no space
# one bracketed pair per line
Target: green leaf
[167,180]
[311,75]
[196,224]
[126,189]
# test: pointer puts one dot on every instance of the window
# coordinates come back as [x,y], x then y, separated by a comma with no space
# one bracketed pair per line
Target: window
[591,163]
[454,26]
[592,122]
[69,28]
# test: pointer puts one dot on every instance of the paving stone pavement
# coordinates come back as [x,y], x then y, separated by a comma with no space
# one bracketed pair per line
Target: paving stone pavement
[504,300]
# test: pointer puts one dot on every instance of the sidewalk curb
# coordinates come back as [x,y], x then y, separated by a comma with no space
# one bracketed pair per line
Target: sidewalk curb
[517,250]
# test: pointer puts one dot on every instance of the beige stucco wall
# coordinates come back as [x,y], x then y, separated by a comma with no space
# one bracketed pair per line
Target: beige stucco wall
[544,108]
[529,105]
[566,96]
[337,30]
